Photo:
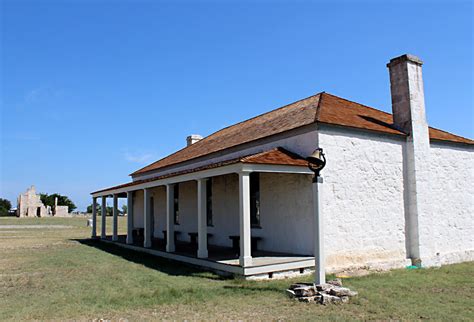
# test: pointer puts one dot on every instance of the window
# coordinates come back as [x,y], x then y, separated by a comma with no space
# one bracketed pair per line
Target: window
[255,199]
[209,201]
[176,203]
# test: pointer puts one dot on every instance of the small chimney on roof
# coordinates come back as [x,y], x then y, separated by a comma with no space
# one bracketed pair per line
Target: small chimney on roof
[193,138]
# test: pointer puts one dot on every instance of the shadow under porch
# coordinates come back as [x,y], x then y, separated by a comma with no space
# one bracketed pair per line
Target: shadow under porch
[224,259]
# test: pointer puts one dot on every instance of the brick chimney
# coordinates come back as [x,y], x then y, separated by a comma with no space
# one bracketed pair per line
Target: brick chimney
[193,138]
[408,108]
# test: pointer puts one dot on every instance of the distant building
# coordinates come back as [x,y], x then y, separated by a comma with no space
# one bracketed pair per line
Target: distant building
[30,205]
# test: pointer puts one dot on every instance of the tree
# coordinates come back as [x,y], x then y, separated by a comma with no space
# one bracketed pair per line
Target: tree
[48,200]
[5,206]
[124,209]
[108,210]
[89,209]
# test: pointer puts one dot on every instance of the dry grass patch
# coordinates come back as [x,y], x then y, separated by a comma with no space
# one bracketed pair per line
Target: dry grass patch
[55,274]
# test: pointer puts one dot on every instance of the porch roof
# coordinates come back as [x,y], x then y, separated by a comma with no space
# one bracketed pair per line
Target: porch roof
[274,157]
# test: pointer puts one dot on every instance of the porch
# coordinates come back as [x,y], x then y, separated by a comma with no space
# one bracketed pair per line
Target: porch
[224,260]
[266,196]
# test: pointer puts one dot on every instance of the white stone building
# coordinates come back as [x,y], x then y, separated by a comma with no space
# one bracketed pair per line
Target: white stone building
[30,205]
[395,191]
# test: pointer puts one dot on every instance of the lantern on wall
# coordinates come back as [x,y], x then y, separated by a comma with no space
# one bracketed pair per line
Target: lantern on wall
[316,161]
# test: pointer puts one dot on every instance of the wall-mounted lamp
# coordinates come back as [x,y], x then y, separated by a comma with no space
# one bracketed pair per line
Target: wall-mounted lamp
[316,161]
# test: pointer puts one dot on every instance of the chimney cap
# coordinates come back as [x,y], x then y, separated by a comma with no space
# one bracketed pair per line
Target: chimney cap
[193,138]
[403,58]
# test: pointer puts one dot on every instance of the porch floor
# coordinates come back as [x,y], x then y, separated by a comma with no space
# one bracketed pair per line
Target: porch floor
[262,261]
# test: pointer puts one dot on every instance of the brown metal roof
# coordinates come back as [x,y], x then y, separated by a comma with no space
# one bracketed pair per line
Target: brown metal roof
[277,156]
[323,108]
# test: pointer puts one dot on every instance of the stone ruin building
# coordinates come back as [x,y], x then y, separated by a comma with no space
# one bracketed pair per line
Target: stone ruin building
[30,205]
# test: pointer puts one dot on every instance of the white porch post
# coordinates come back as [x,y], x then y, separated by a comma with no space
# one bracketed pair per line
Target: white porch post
[244,214]
[94,217]
[202,216]
[103,233]
[170,247]
[129,217]
[147,218]
[115,219]
[320,274]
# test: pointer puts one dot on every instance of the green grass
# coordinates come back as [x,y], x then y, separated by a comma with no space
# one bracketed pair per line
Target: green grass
[55,274]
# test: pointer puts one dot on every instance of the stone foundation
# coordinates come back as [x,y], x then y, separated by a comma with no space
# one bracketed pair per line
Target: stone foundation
[281,274]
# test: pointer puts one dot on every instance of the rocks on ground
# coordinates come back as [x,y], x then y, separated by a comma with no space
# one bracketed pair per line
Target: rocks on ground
[331,292]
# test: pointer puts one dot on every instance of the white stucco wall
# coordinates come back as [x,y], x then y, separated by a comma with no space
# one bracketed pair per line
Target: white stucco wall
[451,215]
[225,209]
[362,202]
[187,209]
[286,210]
[159,210]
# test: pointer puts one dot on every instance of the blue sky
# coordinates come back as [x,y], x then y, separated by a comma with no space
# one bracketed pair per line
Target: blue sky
[93,90]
